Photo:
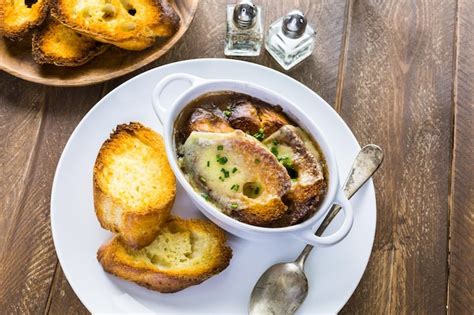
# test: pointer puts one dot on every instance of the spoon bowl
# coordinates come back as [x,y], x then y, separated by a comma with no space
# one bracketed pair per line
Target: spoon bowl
[288,290]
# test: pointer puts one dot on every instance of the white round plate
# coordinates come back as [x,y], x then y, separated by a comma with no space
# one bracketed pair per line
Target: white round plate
[333,272]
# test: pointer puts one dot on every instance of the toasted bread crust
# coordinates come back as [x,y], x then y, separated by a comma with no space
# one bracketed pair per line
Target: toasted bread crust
[262,215]
[161,21]
[9,26]
[135,229]
[55,43]
[115,259]
[139,225]
[204,120]
[305,194]
[272,119]
[244,116]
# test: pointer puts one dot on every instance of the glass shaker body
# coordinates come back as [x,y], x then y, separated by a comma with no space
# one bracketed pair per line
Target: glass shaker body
[243,41]
[287,51]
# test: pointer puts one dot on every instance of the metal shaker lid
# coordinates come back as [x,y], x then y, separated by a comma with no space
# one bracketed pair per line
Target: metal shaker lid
[245,14]
[294,24]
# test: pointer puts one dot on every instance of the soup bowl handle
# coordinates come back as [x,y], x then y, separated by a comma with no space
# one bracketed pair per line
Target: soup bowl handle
[162,103]
[311,238]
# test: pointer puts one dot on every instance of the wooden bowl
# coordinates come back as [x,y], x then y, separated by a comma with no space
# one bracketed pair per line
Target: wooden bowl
[16,58]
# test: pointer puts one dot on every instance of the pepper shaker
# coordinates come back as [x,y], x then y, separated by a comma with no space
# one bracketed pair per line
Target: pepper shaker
[290,39]
[244,29]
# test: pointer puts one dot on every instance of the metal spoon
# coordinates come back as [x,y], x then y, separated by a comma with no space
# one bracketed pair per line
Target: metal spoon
[283,287]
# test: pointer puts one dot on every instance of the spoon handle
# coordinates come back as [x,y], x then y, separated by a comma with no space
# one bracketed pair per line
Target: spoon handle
[366,163]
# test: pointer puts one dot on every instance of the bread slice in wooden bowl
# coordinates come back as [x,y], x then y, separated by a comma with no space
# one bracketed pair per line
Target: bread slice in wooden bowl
[55,43]
[131,25]
[20,16]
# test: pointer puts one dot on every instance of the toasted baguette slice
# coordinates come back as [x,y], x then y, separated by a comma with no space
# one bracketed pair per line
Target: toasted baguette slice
[298,154]
[20,16]
[132,25]
[134,186]
[248,184]
[60,45]
[185,253]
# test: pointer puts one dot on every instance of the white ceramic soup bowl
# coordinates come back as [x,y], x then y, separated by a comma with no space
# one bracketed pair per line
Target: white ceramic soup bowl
[170,97]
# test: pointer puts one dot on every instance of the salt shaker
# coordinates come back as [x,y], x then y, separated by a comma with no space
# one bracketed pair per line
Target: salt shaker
[244,35]
[290,39]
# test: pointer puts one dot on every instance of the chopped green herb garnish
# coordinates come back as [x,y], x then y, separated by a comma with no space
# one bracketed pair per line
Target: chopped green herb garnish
[274,150]
[208,163]
[275,142]
[221,159]
[221,178]
[234,205]
[227,113]
[257,161]
[220,147]
[205,196]
[234,170]
[286,161]
[294,180]
[288,164]
[225,172]
[202,179]
[259,135]
[235,187]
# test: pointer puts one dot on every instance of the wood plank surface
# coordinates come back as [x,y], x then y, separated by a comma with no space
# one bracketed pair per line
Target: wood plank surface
[397,93]
[27,256]
[461,275]
[391,68]
[21,116]
[62,299]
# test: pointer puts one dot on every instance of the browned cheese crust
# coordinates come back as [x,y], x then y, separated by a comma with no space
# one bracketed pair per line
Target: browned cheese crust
[252,118]
[307,192]
[204,120]
[255,164]
[245,117]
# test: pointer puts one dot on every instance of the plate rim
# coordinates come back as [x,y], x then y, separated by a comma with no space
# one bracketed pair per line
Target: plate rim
[78,82]
[370,184]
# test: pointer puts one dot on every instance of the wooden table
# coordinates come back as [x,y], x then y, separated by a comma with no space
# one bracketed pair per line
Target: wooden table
[401,73]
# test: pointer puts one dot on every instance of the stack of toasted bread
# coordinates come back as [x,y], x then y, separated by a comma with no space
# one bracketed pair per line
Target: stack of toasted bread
[134,190]
[72,32]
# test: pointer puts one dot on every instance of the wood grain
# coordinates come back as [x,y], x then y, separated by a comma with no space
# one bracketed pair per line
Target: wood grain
[397,93]
[16,58]
[62,299]
[461,274]
[27,257]
[21,115]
